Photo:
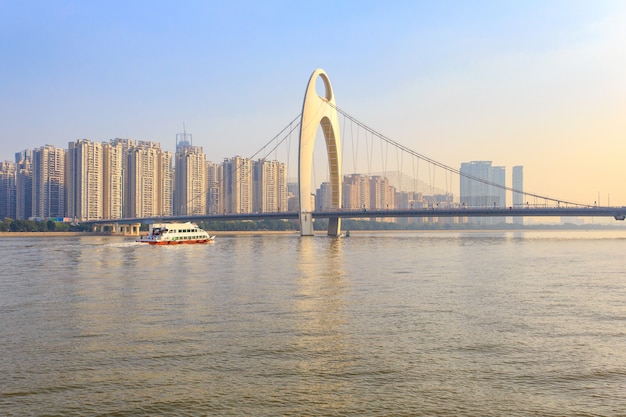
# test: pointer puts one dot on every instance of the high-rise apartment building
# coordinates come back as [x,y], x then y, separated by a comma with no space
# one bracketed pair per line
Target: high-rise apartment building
[114,161]
[293,203]
[7,190]
[48,174]
[190,188]
[84,181]
[482,185]
[149,180]
[356,192]
[270,186]
[166,183]
[23,185]
[237,187]
[382,193]
[323,196]
[215,176]
[518,194]
[126,146]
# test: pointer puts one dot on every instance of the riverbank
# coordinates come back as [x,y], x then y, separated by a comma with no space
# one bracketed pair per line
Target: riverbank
[77,234]
[46,234]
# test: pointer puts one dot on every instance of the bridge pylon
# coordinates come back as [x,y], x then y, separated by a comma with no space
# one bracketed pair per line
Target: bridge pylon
[319,111]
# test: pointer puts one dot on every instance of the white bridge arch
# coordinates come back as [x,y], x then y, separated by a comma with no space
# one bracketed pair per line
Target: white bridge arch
[319,111]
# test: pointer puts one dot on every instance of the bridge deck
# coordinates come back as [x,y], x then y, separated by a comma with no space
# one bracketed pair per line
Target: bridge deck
[619,213]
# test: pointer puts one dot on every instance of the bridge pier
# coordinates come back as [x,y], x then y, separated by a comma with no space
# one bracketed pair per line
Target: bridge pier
[306,223]
[118,229]
[334,226]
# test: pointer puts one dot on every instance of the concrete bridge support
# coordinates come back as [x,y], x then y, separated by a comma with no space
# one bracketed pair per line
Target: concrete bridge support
[319,111]
[118,229]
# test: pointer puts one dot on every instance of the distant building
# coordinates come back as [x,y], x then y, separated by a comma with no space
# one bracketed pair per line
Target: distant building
[149,180]
[356,192]
[518,194]
[269,186]
[25,155]
[114,169]
[410,200]
[237,187]
[190,184]
[323,197]
[124,146]
[48,182]
[84,180]
[482,186]
[215,177]
[7,190]
[382,193]
[293,198]
[166,183]
[23,185]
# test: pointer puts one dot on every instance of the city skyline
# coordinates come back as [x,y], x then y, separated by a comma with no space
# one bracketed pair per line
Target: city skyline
[538,84]
[125,178]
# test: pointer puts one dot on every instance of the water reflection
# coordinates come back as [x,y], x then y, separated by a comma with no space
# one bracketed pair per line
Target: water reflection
[320,307]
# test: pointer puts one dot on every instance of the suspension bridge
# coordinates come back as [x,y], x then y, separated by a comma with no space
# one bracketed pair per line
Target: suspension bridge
[319,120]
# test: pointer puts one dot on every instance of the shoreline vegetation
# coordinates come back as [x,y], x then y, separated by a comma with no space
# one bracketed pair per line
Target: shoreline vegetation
[32,228]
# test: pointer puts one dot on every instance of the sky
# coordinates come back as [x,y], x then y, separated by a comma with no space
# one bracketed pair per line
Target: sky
[540,84]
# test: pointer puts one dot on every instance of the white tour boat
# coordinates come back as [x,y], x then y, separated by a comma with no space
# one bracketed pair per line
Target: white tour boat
[175,233]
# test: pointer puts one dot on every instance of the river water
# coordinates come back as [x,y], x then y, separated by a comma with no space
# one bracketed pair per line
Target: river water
[380,324]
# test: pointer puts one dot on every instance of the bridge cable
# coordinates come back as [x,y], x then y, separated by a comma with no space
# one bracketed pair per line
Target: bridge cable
[289,126]
[343,141]
[446,167]
[401,156]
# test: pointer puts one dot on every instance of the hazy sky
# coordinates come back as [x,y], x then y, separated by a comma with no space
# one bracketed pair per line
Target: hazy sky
[535,83]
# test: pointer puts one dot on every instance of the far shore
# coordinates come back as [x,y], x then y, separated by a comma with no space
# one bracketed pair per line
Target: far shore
[77,234]
[296,232]
[47,234]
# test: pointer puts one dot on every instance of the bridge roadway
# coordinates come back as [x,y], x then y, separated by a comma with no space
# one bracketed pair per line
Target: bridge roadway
[618,213]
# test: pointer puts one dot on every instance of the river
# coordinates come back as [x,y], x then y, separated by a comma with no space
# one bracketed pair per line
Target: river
[377,324]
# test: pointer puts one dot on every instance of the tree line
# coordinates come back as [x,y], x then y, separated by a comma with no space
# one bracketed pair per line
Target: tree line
[12,225]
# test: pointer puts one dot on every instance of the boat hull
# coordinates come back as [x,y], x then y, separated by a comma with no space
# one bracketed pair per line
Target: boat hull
[174,242]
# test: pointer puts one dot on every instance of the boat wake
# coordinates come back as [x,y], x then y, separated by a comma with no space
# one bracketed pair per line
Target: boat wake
[122,244]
